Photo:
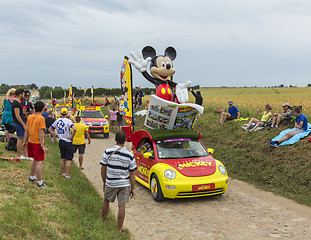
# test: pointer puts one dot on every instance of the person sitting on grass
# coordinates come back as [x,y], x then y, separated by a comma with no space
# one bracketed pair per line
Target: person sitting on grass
[233,113]
[301,125]
[278,118]
[34,134]
[265,118]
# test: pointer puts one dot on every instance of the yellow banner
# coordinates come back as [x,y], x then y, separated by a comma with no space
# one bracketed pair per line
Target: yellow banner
[92,92]
[126,105]
[70,96]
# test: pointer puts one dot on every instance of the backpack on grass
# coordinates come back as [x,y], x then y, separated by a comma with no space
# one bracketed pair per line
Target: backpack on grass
[11,146]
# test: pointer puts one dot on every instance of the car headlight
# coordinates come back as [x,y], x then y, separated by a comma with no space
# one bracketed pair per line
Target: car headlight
[103,123]
[222,170]
[87,123]
[170,174]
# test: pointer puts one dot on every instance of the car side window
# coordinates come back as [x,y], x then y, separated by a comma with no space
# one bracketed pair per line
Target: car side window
[144,146]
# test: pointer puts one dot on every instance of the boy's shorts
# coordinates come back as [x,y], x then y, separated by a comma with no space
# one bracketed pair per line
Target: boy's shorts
[123,194]
[120,123]
[20,131]
[35,151]
[81,148]
[297,130]
[231,117]
[66,150]
[46,131]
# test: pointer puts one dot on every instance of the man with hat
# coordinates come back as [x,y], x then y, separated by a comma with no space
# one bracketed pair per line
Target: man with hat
[27,106]
[65,133]
[233,113]
[278,118]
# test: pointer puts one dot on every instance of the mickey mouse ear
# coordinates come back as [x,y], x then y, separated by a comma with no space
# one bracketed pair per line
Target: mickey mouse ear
[171,53]
[149,51]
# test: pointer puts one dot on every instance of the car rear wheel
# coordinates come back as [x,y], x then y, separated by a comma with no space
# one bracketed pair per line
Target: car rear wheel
[106,135]
[155,188]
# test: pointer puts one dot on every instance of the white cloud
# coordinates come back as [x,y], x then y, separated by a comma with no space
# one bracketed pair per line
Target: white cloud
[218,42]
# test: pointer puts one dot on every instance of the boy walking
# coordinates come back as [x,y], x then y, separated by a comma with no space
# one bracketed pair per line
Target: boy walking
[36,148]
[118,166]
[65,136]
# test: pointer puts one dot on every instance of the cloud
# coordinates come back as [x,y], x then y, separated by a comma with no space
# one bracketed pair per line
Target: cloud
[218,42]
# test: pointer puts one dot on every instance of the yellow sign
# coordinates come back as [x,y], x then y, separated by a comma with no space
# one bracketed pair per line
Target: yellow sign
[126,105]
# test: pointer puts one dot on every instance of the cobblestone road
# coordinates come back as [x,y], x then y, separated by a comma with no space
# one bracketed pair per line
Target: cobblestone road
[243,212]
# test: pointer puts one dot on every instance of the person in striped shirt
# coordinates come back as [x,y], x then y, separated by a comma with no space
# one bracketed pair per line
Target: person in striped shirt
[118,174]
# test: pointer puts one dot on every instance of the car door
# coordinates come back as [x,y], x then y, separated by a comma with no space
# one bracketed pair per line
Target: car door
[143,161]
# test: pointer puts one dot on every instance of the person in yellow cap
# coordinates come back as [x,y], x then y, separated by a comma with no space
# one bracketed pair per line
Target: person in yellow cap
[65,133]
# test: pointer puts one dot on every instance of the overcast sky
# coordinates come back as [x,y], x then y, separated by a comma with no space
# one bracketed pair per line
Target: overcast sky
[218,43]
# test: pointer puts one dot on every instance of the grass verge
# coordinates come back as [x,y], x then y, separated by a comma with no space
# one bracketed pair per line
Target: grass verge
[248,156]
[63,210]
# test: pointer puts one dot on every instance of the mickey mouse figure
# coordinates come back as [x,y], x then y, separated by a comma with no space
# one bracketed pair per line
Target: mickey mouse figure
[161,69]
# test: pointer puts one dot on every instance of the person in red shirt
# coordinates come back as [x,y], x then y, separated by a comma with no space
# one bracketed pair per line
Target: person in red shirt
[54,102]
[107,102]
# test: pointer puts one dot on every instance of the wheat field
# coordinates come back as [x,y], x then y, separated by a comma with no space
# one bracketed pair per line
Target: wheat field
[253,98]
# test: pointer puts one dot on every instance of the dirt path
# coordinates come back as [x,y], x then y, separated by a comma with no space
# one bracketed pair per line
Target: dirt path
[243,212]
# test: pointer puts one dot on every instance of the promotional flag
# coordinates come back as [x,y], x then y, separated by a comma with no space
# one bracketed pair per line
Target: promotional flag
[126,105]
[70,97]
[51,95]
[92,92]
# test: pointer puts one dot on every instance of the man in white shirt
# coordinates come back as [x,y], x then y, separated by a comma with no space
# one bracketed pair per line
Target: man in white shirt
[118,174]
[65,133]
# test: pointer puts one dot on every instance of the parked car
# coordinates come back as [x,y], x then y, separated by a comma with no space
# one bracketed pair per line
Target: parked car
[175,164]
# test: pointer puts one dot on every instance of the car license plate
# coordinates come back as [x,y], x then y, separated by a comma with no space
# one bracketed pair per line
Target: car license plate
[203,187]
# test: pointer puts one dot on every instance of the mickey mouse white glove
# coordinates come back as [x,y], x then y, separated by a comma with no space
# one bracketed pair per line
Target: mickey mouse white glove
[182,91]
[139,62]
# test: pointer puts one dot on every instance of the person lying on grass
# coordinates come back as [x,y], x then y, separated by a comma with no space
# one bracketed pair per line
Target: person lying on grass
[265,118]
[301,125]
[233,113]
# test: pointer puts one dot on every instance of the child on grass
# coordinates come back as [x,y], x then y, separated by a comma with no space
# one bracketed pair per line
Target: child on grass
[36,148]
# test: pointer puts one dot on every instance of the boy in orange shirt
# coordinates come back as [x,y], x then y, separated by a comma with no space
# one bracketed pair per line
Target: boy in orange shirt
[36,148]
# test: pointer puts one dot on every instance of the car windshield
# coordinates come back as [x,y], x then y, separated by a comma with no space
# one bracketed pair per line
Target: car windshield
[58,109]
[91,114]
[180,148]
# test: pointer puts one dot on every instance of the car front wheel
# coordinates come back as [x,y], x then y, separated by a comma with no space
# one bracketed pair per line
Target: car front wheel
[106,135]
[155,188]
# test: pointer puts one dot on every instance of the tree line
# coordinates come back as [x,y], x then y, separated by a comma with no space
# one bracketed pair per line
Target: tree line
[59,92]
[5,87]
